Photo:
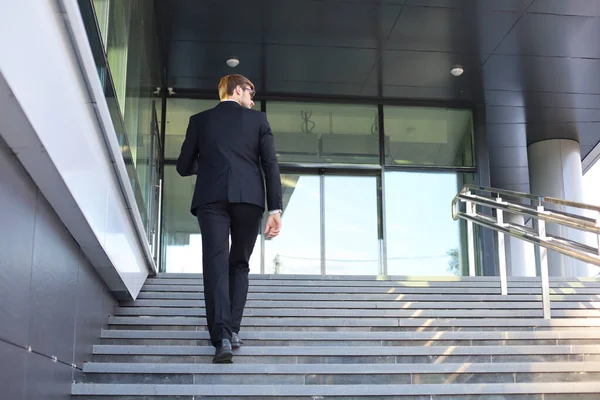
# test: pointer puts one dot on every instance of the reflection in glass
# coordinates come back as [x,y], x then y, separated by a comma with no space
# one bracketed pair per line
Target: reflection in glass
[422,237]
[325,133]
[101,9]
[428,136]
[182,241]
[297,249]
[124,40]
[351,242]
[179,112]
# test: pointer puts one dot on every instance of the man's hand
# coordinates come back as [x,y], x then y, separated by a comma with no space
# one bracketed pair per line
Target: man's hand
[273,225]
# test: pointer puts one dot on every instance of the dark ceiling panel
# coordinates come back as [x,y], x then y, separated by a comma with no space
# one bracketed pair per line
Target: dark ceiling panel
[191,84]
[499,114]
[513,156]
[319,23]
[426,69]
[566,7]
[213,20]
[588,133]
[207,60]
[541,99]
[585,150]
[534,63]
[553,35]
[496,5]
[541,131]
[424,93]
[319,64]
[542,74]
[447,29]
[506,135]
[315,88]
[286,22]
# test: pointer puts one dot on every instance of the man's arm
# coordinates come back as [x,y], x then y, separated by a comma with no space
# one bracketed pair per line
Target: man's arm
[187,161]
[270,166]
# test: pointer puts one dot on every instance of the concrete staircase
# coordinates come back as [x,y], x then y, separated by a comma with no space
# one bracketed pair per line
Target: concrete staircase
[308,337]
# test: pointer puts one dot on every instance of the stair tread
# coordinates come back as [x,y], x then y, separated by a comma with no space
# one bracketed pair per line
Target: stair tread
[350,350]
[304,335]
[356,390]
[373,313]
[287,277]
[367,321]
[368,305]
[462,368]
[414,321]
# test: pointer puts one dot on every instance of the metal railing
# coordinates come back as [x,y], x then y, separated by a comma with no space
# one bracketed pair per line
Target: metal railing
[540,210]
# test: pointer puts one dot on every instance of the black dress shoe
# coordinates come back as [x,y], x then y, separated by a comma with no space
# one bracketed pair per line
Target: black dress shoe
[223,353]
[236,342]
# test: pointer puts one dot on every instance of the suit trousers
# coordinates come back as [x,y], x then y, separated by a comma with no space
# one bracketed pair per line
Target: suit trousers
[225,270]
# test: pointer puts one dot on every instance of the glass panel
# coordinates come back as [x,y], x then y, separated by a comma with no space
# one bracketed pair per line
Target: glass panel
[154,186]
[179,112]
[297,249]
[124,41]
[422,237]
[102,8]
[351,239]
[324,133]
[428,136]
[117,48]
[182,241]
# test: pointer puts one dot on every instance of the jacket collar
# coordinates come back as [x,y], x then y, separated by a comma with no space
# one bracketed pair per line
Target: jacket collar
[230,103]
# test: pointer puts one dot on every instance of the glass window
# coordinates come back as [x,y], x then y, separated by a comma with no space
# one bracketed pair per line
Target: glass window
[351,233]
[182,241]
[179,112]
[422,237]
[324,133]
[102,8]
[428,136]
[297,249]
[126,33]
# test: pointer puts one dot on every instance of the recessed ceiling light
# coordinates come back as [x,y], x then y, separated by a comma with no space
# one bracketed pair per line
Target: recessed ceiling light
[232,62]
[457,70]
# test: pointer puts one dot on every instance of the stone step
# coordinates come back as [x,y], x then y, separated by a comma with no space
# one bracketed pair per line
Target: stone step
[351,351]
[321,391]
[342,369]
[423,297]
[150,283]
[303,338]
[400,304]
[362,313]
[587,334]
[191,277]
[339,374]
[382,289]
[503,323]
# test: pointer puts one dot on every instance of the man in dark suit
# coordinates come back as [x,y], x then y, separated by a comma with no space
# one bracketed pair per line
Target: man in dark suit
[226,147]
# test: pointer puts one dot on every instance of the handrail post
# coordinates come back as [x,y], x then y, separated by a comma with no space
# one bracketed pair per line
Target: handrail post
[543,252]
[471,210]
[501,250]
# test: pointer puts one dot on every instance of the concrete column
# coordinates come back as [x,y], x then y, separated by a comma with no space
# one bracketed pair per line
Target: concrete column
[555,171]
[520,256]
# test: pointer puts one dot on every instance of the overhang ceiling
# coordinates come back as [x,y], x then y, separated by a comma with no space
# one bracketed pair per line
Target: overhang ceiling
[533,63]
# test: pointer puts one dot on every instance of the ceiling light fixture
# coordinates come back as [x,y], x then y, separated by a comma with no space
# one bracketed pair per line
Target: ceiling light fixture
[232,62]
[457,70]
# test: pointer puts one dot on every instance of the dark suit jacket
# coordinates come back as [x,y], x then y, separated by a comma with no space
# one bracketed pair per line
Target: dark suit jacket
[229,144]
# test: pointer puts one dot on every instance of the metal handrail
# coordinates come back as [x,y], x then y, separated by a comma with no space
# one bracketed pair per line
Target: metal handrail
[537,235]
[529,196]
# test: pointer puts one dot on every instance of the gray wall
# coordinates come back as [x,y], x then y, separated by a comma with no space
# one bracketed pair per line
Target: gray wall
[51,297]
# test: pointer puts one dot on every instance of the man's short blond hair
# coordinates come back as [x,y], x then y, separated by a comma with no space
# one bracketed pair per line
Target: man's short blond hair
[228,83]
